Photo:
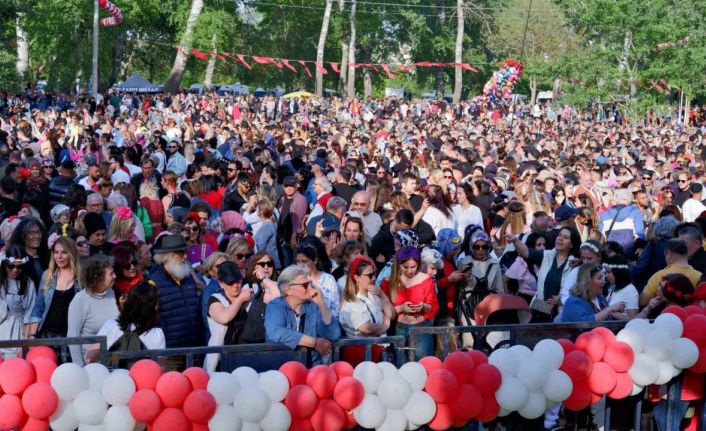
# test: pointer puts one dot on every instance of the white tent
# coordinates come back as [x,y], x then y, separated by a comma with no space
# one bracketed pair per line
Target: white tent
[137,84]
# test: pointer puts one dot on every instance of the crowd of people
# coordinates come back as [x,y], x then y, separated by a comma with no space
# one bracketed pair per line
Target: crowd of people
[180,221]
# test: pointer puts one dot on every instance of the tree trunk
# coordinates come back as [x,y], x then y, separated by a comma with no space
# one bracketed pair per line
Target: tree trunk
[533,89]
[351,53]
[556,88]
[22,48]
[458,53]
[117,58]
[344,67]
[320,48]
[439,78]
[367,84]
[174,80]
[211,66]
[624,64]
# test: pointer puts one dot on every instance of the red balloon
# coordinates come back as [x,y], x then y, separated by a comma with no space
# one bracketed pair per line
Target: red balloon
[145,373]
[199,406]
[300,424]
[490,409]
[477,356]
[348,393]
[16,375]
[461,365]
[443,419]
[322,380]
[691,310]
[295,372]
[328,416]
[173,388]
[342,369]
[43,369]
[40,401]
[486,378]
[171,419]
[431,363]
[694,329]
[199,427]
[607,334]
[567,345]
[619,356]
[468,403]
[197,376]
[623,386]
[33,424]
[595,398]
[145,405]
[700,365]
[592,344]
[602,380]
[12,415]
[692,387]
[301,401]
[442,386]
[41,352]
[580,397]
[676,310]
[577,365]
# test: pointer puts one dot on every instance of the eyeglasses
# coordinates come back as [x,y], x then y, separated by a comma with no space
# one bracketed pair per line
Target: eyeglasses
[448,177]
[81,243]
[241,256]
[192,228]
[48,167]
[17,267]
[306,284]
[247,185]
[481,247]
[360,204]
[232,169]
[646,178]
[370,275]
[266,264]
[172,147]
[683,181]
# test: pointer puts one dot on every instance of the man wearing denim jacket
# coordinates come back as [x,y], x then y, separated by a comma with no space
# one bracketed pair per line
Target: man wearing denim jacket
[300,317]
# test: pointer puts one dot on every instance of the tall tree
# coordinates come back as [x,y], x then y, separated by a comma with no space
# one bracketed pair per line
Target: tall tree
[351,53]
[22,47]
[320,47]
[458,51]
[211,65]
[175,76]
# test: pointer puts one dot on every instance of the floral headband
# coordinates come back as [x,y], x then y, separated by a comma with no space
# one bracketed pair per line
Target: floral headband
[590,246]
[616,266]
[52,240]
[13,260]
[124,213]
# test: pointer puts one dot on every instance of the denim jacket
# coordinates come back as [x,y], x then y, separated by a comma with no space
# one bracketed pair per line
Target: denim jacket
[47,286]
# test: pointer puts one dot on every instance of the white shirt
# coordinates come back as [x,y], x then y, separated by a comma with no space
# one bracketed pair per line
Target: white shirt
[466,217]
[120,176]
[692,209]
[152,339]
[627,295]
[134,170]
[437,220]
[366,308]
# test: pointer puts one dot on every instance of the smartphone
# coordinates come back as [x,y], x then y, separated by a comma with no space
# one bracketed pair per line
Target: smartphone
[467,269]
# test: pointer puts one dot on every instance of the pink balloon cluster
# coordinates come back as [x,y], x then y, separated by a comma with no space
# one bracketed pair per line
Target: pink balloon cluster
[498,90]
[117,15]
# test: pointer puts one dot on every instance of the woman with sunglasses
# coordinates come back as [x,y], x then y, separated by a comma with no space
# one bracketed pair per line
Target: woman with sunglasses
[240,251]
[198,250]
[82,246]
[587,303]
[17,299]
[306,257]
[260,278]
[127,274]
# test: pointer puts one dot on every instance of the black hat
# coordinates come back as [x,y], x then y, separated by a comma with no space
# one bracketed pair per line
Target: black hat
[228,273]
[93,222]
[290,181]
[68,164]
[170,244]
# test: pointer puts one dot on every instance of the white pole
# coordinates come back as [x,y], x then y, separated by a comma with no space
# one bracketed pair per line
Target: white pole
[94,75]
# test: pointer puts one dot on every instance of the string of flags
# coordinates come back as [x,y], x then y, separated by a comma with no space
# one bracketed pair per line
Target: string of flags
[390,70]
[661,85]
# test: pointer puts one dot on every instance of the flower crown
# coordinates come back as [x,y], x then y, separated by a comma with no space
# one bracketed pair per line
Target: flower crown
[12,260]
[124,213]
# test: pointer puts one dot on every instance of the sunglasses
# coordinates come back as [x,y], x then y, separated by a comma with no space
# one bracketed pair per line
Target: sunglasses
[448,177]
[370,275]
[232,169]
[192,228]
[683,181]
[241,256]
[17,267]
[82,243]
[306,284]
[481,247]
[267,264]
[171,147]
[48,167]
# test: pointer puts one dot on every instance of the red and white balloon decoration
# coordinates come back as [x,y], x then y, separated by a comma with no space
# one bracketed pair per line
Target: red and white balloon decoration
[115,12]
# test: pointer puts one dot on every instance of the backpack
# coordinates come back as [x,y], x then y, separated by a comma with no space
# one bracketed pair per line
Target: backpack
[254,327]
[128,342]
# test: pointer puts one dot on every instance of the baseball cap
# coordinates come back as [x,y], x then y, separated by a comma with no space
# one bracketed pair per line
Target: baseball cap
[565,212]
[289,181]
[229,273]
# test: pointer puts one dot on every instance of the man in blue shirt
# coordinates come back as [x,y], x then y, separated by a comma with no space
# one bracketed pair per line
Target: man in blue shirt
[300,317]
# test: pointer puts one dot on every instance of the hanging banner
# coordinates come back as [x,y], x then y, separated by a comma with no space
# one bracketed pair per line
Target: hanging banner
[117,15]
[198,54]
[320,68]
[335,68]
[218,56]
[288,65]
[388,71]
[241,57]
[303,63]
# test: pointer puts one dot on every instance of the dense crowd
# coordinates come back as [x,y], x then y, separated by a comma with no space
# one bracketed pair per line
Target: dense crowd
[181,221]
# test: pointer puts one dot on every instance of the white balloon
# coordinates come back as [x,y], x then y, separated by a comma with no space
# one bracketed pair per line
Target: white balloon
[252,404]
[369,375]
[641,325]
[420,409]
[118,388]
[659,344]
[503,412]
[225,419]
[636,389]
[532,373]
[512,394]
[550,353]
[388,369]
[277,418]
[535,406]
[666,371]
[251,426]
[684,353]
[223,387]
[411,426]
[97,373]
[669,323]
[522,353]
[394,421]
[633,338]
[505,361]
[246,376]
[90,407]
[64,418]
[119,418]
[69,380]
[558,386]
[275,384]
[394,392]
[86,427]
[121,371]
[371,412]
[415,374]
[645,370]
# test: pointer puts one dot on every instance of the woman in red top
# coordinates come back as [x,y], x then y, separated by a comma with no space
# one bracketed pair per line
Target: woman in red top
[413,296]
[149,200]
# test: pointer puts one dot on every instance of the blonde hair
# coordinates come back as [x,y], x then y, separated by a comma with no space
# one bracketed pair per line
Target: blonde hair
[265,209]
[237,244]
[71,249]
[120,228]
[583,280]
[148,189]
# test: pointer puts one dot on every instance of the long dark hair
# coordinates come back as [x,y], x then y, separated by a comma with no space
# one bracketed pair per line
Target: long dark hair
[20,233]
[18,254]
[436,198]
[140,308]
[312,246]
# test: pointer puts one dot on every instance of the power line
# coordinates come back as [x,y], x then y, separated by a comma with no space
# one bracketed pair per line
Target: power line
[385,4]
[411,5]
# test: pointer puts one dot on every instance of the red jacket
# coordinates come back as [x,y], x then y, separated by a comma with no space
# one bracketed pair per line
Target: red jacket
[449,286]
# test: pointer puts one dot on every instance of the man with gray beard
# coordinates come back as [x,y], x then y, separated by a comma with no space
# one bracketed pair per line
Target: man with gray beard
[179,315]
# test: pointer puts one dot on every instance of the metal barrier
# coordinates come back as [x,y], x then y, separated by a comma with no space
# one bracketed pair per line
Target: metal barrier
[61,345]
[397,344]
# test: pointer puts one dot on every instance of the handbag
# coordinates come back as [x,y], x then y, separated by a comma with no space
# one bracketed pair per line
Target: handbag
[541,305]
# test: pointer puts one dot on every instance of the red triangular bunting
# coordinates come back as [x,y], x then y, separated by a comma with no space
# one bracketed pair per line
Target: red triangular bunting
[656,86]
[180,49]
[335,68]
[303,63]
[241,57]
[321,68]
[404,68]
[386,68]
[217,55]
[466,66]
[198,54]
[424,64]
[286,64]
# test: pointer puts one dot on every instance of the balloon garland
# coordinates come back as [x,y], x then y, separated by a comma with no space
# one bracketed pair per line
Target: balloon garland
[498,90]
[117,15]
[36,394]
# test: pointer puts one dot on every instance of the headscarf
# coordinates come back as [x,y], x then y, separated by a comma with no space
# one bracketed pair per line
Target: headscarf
[407,238]
[448,241]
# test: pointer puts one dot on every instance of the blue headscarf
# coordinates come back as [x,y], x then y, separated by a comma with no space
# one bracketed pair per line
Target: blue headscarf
[447,241]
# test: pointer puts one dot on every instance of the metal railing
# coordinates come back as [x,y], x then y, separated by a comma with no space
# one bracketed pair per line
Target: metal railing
[60,345]
[396,344]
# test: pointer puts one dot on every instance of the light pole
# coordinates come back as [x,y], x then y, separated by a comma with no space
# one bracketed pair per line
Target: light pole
[94,80]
